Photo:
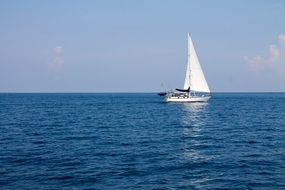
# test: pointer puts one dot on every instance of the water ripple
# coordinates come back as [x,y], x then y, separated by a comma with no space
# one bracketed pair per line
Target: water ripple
[133,141]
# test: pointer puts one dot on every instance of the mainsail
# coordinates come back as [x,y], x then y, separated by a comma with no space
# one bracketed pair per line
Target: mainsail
[194,78]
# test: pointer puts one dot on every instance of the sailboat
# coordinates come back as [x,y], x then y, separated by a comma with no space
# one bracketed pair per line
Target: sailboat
[195,88]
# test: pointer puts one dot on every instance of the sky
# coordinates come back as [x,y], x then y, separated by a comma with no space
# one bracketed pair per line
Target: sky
[140,46]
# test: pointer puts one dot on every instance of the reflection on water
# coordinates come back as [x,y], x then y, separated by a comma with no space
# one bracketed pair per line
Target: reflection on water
[193,114]
[194,122]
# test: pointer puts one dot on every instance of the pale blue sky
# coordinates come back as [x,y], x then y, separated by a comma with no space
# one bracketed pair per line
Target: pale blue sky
[135,46]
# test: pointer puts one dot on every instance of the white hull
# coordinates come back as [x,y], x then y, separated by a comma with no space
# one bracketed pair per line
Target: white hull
[191,99]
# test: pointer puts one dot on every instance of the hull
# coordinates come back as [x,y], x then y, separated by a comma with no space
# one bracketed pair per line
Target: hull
[188,99]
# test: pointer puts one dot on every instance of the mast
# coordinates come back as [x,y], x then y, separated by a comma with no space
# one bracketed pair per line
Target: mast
[188,61]
[187,82]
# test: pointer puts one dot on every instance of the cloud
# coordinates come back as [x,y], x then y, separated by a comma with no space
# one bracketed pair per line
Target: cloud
[57,62]
[274,60]
[281,38]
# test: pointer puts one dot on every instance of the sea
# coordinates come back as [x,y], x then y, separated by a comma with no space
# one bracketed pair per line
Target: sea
[135,141]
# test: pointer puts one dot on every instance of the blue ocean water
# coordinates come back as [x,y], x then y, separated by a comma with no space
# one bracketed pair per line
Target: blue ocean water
[134,141]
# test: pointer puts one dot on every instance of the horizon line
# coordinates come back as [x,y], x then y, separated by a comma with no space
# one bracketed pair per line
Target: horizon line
[130,92]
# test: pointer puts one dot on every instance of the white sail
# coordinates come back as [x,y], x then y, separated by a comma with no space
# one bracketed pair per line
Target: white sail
[195,78]
[187,76]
